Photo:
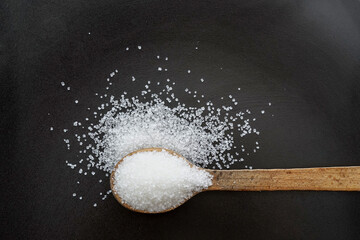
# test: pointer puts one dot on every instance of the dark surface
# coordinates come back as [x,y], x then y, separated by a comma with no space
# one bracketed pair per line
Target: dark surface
[303,56]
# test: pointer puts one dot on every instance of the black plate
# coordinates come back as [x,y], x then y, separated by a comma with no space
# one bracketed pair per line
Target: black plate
[302,56]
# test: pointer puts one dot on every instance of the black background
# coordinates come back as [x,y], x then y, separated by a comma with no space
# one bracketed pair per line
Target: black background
[303,56]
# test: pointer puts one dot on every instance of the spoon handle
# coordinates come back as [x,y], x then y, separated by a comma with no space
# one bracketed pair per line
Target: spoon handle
[315,179]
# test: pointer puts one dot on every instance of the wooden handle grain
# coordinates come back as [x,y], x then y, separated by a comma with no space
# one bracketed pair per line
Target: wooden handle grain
[316,179]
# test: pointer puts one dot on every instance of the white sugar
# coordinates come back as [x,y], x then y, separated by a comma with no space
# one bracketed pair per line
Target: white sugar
[153,124]
[156,181]
[204,132]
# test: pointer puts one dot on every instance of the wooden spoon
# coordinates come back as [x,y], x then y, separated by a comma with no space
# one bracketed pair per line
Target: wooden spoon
[309,179]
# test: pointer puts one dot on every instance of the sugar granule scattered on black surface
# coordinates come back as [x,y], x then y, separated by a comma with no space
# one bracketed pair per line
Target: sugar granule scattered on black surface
[202,133]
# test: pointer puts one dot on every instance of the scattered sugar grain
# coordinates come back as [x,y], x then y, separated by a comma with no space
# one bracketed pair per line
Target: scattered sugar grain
[130,124]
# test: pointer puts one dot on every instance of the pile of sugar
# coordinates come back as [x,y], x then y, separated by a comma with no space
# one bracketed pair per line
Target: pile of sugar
[206,130]
[203,134]
[156,181]
[133,125]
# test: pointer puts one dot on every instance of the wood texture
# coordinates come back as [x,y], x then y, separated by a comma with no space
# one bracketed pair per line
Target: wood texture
[313,179]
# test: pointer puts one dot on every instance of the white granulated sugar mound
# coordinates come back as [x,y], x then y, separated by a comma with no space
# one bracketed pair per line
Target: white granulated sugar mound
[206,132]
[156,181]
[131,125]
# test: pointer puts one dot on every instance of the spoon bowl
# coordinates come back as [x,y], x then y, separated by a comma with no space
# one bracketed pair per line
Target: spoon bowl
[123,203]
